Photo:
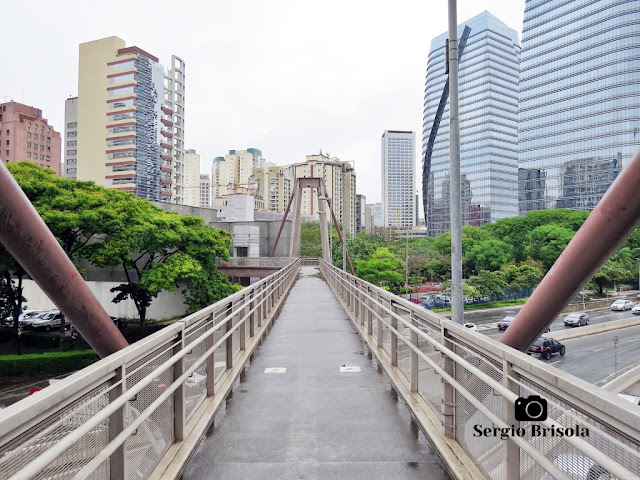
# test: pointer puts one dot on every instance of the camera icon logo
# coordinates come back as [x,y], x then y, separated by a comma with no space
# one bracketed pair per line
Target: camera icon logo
[532,408]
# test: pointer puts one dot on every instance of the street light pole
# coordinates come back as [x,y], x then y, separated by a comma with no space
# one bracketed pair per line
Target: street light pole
[406,264]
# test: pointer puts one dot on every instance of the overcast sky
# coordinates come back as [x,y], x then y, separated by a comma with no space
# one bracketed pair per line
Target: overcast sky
[289,77]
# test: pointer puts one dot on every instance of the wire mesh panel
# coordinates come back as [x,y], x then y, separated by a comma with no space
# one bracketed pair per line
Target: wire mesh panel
[145,448]
[25,448]
[572,420]
[429,381]
[195,386]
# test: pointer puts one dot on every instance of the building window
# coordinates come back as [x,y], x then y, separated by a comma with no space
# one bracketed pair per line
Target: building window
[48,139]
[28,134]
[72,134]
[71,161]
[7,142]
[72,143]
[28,154]
[7,153]
[71,170]
[41,147]
[41,157]
[35,145]
[48,149]
[72,152]
[28,144]
[48,158]
[72,125]
[7,132]
[42,137]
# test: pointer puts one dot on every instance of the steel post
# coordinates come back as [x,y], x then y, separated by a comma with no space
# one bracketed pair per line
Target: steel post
[27,238]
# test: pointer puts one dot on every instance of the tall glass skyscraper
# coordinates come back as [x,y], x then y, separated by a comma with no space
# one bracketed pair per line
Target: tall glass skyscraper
[579,100]
[488,125]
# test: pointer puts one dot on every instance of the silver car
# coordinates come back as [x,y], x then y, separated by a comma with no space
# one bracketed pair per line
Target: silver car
[621,305]
[576,319]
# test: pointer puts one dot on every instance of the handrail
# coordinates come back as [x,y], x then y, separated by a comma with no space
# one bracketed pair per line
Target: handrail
[231,327]
[491,373]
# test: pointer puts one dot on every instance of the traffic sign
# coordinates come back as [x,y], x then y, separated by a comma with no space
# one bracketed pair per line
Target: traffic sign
[615,340]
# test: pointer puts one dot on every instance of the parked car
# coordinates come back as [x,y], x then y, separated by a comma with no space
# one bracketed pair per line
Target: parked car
[636,309]
[621,305]
[8,321]
[545,347]
[505,322]
[576,319]
[47,320]
[27,323]
[471,326]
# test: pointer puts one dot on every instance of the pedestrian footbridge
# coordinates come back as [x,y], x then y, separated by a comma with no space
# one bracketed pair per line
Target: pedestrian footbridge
[314,373]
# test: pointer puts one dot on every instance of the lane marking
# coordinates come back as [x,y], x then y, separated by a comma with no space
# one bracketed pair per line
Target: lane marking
[598,349]
[553,363]
[275,370]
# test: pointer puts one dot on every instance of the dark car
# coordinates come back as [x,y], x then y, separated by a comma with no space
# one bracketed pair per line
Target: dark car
[545,347]
[505,322]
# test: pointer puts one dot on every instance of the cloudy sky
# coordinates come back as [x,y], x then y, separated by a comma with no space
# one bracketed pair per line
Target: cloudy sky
[289,77]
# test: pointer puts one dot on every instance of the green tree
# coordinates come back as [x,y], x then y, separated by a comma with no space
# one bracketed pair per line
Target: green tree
[489,255]
[609,274]
[382,269]
[515,232]
[11,288]
[521,277]
[547,243]
[489,284]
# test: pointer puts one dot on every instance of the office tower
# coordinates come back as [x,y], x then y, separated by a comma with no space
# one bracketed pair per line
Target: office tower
[125,126]
[488,109]
[26,136]
[70,140]
[332,170]
[191,178]
[398,183]
[205,190]
[174,89]
[233,172]
[579,98]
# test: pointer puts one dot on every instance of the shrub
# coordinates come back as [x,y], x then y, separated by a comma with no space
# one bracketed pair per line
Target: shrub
[51,363]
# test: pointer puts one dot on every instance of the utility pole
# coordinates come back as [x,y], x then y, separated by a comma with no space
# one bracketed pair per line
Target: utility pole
[454,152]
[344,219]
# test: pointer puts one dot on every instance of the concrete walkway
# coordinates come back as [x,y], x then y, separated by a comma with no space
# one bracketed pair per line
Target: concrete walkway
[313,421]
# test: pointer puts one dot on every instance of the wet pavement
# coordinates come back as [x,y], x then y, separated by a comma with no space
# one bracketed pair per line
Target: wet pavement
[326,412]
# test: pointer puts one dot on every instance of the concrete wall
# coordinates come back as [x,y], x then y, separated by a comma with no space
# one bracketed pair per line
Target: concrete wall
[166,305]
[209,215]
[268,234]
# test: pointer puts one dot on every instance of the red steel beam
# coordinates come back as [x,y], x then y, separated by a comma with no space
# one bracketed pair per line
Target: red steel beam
[27,238]
[601,234]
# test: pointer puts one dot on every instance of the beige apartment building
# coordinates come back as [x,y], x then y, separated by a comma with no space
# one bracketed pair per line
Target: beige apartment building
[125,126]
[191,180]
[331,170]
[26,136]
[70,139]
[273,183]
[234,172]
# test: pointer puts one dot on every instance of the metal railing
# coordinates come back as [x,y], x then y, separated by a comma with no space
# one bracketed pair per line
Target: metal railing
[126,416]
[256,262]
[462,386]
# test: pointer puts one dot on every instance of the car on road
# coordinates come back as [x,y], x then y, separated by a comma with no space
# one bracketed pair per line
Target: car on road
[505,322]
[621,305]
[630,398]
[545,347]
[576,319]
[636,309]
[471,326]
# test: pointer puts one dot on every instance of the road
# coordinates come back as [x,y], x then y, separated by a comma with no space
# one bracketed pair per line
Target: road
[487,323]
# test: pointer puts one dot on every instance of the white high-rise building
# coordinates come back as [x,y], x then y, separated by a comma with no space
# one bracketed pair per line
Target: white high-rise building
[174,80]
[205,190]
[398,182]
[191,183]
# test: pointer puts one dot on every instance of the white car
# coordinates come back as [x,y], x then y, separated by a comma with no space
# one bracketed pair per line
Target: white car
[47,320]
[636,309]
[471,326]
[621,305]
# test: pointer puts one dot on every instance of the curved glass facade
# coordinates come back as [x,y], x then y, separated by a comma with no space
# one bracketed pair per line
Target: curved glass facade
[488,93]
[579,98]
